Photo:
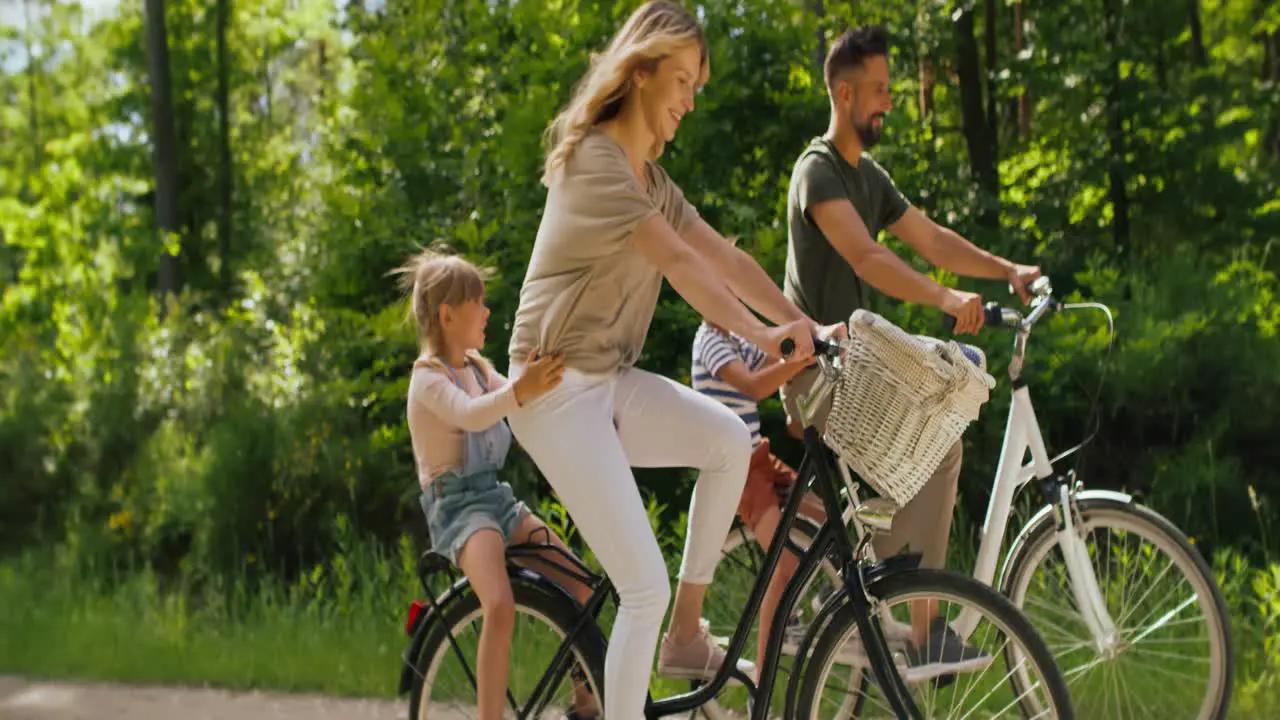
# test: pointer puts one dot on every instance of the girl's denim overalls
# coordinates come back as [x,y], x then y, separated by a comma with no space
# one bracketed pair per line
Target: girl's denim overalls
[472,497]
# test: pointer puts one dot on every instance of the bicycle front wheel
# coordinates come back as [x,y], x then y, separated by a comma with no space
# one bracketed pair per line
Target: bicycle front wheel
[945,675]
[1172,651]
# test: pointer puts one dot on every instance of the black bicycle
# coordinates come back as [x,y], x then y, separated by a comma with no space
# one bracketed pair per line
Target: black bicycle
[859,655]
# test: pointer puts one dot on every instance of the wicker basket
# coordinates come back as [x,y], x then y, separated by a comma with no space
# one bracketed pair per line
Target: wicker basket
[900,403]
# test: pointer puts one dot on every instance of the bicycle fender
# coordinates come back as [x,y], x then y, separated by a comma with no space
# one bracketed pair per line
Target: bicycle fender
[421,627]
[1045,515]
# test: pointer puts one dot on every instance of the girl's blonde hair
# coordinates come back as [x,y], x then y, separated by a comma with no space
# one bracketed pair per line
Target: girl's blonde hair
[432,278]
[653,32]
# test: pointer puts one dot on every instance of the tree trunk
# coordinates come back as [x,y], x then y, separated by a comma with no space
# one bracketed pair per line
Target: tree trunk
[927,82]
[989,39]
[322,67]
[820,46]
[33,88]
[1162,68]
[1198,54]
[224,151]
[977,133]
[1271,73]
[164,147]
[266,74]
[1116,142]
[1019,44]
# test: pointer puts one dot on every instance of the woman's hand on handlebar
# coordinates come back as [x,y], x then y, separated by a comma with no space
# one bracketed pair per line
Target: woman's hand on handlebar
[792,342]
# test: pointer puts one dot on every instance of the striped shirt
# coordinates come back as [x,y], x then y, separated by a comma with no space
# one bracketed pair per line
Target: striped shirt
[712,350]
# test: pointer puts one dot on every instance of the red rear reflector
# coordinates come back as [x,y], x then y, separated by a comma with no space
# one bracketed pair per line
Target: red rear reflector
[415,609]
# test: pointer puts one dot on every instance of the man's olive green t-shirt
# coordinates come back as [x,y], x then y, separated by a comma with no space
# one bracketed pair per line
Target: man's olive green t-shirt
[817,279]
[588,292]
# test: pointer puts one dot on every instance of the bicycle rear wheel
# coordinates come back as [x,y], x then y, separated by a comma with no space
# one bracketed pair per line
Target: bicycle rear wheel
[444,683]
[967,686]
[1174,649]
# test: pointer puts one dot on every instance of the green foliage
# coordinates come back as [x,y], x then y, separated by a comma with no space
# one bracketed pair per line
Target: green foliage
[220,435]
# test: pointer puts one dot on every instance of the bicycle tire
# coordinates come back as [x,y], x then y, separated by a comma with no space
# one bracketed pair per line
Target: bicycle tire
[558,611]
[1095,511]
[978,595]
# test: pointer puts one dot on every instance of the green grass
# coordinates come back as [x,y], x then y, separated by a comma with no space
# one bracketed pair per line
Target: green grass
[69,626]
[339,630]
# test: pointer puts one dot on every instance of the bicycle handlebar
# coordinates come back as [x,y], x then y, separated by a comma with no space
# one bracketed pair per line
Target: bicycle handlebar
[820,347]
[994,315]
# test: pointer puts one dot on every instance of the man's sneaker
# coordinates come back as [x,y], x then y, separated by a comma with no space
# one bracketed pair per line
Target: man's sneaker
[896,634]
[943,655]
[699,659]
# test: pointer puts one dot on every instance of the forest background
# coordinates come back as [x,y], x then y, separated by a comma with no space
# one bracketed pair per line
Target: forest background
[204,362]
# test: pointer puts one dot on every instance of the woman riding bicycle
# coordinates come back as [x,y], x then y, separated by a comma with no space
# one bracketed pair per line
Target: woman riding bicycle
[614,225]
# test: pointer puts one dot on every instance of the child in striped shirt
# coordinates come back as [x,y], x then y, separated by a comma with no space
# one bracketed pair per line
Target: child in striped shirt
[738,374]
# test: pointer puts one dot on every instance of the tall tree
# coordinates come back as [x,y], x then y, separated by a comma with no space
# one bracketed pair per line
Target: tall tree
[1198,54]
[989,39]
[1117,145]
[164,150]
[224,150]
[33,83]
[977,131]
[1019,45]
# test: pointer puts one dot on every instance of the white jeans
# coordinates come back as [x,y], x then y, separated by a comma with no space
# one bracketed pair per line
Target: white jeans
[585,436]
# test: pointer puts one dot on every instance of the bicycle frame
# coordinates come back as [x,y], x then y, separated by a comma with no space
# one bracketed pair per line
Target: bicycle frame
[817,469]
[1022,435]
[832,539]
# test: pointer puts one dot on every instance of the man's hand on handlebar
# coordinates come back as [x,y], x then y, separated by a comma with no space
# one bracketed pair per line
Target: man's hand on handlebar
[1020,276]
[992,315]
[838,331]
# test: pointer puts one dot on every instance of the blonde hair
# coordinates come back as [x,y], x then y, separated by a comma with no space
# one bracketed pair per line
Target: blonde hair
[432,278]
[654,31]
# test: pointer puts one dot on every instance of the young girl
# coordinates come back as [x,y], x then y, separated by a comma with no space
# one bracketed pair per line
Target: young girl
[456,406]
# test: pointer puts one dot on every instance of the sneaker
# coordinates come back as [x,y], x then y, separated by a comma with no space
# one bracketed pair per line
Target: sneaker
[897,635]
[793,635]
[944,655]
[697,660]
[584,705]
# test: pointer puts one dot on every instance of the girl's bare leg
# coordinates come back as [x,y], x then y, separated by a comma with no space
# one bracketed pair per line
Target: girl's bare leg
[483,561]
[533,530]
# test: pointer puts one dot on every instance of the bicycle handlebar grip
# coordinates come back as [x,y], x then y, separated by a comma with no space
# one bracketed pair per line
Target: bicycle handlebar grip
[820,347]
[992,317]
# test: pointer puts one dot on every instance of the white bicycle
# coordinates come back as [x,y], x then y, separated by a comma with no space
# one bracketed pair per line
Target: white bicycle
[1128,606]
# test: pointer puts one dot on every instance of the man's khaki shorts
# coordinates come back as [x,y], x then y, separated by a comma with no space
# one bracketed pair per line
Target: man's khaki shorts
[798,387]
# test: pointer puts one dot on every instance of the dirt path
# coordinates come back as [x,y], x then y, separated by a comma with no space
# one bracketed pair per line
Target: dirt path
[55,700]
